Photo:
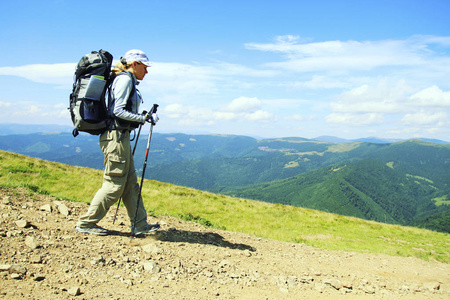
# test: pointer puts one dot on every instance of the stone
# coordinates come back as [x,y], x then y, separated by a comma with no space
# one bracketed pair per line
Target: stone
[6,200]
[35,259]
[18,269]
[292,281]
[74,291]
[431,286]
[22,223]
[16,276]
[347,284]
[150,248]
[4,267]
[97,260]
[46,207]
[39,277]
[335,283]
[405,288]
[320,287]
[63,209]
[151,266]
[306,279]
[224,263]
[369,289]
[31,242]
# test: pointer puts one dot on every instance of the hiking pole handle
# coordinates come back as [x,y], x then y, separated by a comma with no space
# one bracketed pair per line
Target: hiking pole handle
[154,109]
[152,113]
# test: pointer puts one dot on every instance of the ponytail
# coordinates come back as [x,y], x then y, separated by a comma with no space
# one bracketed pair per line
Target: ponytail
[120,67]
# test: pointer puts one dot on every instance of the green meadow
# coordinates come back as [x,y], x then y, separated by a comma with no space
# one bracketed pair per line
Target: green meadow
[274,221]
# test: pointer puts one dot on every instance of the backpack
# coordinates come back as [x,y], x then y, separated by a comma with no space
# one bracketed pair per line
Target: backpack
[87,101]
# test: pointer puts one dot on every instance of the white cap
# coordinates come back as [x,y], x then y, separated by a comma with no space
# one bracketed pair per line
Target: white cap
[136,55]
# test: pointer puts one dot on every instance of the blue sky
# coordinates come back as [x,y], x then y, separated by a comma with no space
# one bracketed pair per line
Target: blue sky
[261,68]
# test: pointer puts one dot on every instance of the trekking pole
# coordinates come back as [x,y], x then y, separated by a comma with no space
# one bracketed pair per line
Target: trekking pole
[152,123]
[134,149]
[137,138]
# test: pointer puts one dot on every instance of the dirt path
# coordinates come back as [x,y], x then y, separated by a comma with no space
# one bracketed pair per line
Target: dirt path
[42,257]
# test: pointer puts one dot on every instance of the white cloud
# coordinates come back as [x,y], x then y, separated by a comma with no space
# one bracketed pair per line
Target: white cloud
[432,96]
[320,82]
[228,69]
[295,117]
[426,118]
[227,116]
[260,115]
[355,119]
[368,105]
[35,113]
[243,110]
[33,110]
[162,77]
[174,111]
[27,111]
[278,104]
[179,78]
[199,79]
[384,97]
[53,73]
[58,111]
[284,43]
[244,104]
[5,104]
[351,55]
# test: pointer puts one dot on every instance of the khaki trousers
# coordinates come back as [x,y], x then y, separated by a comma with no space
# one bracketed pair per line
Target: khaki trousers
[119,180]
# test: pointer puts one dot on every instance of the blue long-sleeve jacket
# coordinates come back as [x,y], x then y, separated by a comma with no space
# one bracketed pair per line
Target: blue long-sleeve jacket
[123,104]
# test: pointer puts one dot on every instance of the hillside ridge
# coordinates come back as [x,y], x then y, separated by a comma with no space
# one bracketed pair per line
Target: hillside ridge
[42,257]
[275,221]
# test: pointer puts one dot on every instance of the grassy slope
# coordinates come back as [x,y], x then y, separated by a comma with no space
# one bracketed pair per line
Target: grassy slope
[275,221]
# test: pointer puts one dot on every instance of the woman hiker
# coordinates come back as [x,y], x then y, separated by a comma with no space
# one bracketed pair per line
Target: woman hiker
[119,178]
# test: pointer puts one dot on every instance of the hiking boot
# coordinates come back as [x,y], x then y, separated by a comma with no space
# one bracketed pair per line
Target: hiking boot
[146,229]
[97,230]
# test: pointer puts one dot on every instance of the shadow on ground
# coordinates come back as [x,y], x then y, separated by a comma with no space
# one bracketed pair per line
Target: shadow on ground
[205,238]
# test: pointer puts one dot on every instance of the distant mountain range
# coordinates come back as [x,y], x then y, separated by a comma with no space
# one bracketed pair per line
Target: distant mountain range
[401,182]
[332,139]
[13,128]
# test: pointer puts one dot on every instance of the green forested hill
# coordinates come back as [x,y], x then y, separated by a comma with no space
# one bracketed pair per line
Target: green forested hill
[418,158]
[365,189]
[264,161]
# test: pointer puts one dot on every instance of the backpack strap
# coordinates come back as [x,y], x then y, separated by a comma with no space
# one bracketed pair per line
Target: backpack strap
[133,91]
[128,106]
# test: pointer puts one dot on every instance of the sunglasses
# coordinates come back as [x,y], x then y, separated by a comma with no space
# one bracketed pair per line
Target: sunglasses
[139,63]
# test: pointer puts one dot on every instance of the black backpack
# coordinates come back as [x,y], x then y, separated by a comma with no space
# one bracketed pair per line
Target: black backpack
[87,101]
